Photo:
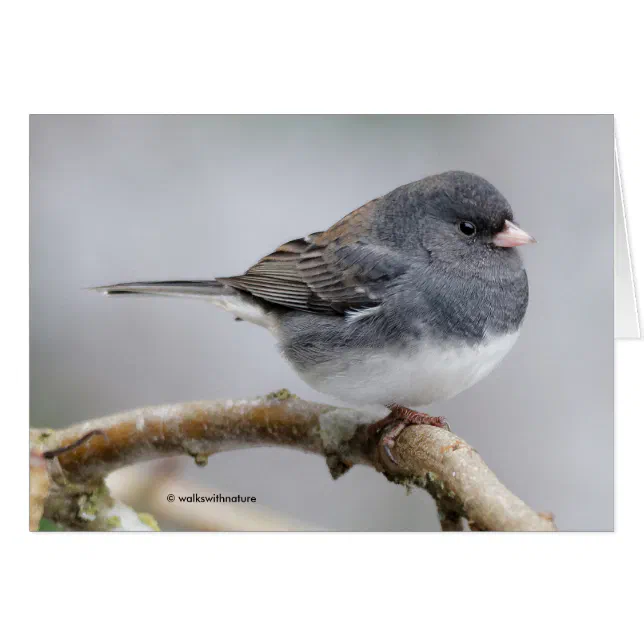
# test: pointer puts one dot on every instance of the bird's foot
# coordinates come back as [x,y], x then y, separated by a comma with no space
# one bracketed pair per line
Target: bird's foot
[412,417]
[388,439]
[390,427]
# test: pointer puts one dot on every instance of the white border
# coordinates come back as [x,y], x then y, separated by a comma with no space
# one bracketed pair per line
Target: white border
[271,57]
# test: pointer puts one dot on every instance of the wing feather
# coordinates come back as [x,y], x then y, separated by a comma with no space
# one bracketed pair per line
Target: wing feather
[327,272]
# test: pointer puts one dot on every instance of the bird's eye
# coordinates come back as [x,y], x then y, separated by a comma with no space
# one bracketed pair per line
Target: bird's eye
[467,228]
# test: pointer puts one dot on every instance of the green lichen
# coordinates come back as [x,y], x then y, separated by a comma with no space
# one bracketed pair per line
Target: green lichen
[114,522]
[47,525]
[44,435]
[149,521]
[41,440]
[201,460]
[282,394]
[89,505]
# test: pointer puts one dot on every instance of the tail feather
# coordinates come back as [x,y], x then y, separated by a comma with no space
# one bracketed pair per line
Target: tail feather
[242,305]
[189,288]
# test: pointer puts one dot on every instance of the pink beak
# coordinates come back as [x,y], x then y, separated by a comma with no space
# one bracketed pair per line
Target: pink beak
[512,235]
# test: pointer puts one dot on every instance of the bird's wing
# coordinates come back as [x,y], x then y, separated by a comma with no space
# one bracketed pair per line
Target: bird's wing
[326,273]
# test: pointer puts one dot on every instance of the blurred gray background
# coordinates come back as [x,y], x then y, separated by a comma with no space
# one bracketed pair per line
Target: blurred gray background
[118,198]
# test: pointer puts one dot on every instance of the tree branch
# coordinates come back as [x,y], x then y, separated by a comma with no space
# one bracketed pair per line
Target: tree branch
[431,458]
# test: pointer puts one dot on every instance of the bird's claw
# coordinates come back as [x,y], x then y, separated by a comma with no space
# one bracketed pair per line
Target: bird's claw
[388,439]
[389,428]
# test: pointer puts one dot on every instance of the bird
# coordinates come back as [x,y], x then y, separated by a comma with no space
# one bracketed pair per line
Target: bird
[408,300]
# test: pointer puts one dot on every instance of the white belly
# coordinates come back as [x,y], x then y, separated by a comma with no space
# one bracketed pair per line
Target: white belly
[428,374]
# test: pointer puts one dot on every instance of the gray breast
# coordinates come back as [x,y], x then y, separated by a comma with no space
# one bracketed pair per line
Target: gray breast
[423,305]
[468,308]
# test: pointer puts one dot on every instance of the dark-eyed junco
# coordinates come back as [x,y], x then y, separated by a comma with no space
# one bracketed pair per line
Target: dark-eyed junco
[408,300]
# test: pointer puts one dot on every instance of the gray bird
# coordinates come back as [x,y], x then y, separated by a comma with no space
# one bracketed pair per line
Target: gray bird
[408,300]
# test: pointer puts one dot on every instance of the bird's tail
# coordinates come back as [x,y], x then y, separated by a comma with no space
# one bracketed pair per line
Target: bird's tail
[185,288]
[243,305]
